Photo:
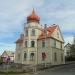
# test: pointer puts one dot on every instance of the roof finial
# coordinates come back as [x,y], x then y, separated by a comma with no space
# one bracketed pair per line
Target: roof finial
[33,12]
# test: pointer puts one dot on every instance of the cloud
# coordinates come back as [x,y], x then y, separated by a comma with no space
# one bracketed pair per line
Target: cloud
[6,47]
[13,15]
[68,39]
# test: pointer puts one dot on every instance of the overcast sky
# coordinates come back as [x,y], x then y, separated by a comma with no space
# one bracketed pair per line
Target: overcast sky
[13,15]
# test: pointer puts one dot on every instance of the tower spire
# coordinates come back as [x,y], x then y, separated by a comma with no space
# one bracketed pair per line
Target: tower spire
[33,17]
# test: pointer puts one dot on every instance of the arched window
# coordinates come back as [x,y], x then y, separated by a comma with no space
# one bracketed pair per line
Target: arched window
[25,56]
[32,43]
[43,56]
[32,56]
[33,32]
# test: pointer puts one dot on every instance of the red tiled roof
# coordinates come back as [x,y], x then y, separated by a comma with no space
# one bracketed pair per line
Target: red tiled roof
[33,16]
[19,41]
[50,30]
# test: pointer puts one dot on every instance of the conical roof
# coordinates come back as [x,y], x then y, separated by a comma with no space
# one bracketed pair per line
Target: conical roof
[33,17]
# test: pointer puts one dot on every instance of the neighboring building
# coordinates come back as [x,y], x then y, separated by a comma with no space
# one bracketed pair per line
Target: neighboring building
[33,47]
[67,50]
[8,56]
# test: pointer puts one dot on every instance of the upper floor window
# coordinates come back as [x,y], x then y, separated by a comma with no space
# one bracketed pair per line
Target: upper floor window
[53,42]
[33,32]
[32,43]
[43,43]
[26,33]
[25,43]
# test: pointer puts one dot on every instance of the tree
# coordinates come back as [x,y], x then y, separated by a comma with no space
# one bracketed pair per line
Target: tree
[1,61]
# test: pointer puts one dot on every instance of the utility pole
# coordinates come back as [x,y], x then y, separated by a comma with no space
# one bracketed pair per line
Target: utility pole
[45,31]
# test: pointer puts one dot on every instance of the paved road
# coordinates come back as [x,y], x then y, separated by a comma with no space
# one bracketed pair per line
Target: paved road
[62,70]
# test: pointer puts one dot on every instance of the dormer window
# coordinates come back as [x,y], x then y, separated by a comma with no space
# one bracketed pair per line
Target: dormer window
[57,34]
[33,32]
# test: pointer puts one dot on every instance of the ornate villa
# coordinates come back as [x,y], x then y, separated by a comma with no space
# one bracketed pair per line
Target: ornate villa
[38,44]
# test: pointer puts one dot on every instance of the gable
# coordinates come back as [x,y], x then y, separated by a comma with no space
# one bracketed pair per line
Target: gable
[4,54]
[50,30]
[57,34]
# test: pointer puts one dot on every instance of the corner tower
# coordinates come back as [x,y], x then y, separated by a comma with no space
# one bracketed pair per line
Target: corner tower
[31,33]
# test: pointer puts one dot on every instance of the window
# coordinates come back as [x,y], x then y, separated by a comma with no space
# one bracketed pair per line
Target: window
[19,56]
[25,43]
[43,43]
[26,32]
[32,57]
[57,34]
[19,46]
[43,56]
[55,57]
[33,32]
[61,45]
[32,43]
[53,42]
[61,57]
[25,56]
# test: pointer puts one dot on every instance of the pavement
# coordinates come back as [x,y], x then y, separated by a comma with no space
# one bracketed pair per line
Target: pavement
[59,70]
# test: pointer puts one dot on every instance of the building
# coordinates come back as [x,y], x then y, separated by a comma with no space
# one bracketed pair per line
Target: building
[67,51]
[38,45]
[70,49]
[7,56]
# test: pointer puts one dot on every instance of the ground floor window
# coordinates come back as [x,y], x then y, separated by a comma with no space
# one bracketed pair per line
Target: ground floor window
[25,56]
[61,57]
[55,56]
[32,56]
[19,55]
[43,56]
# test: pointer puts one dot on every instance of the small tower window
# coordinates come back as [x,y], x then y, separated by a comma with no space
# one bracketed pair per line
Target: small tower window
[19,56]
[33,32]
[26,33]
[43,43]
[26,44]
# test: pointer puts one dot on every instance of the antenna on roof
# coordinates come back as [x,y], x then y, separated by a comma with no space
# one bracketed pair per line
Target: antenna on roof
[45,29]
